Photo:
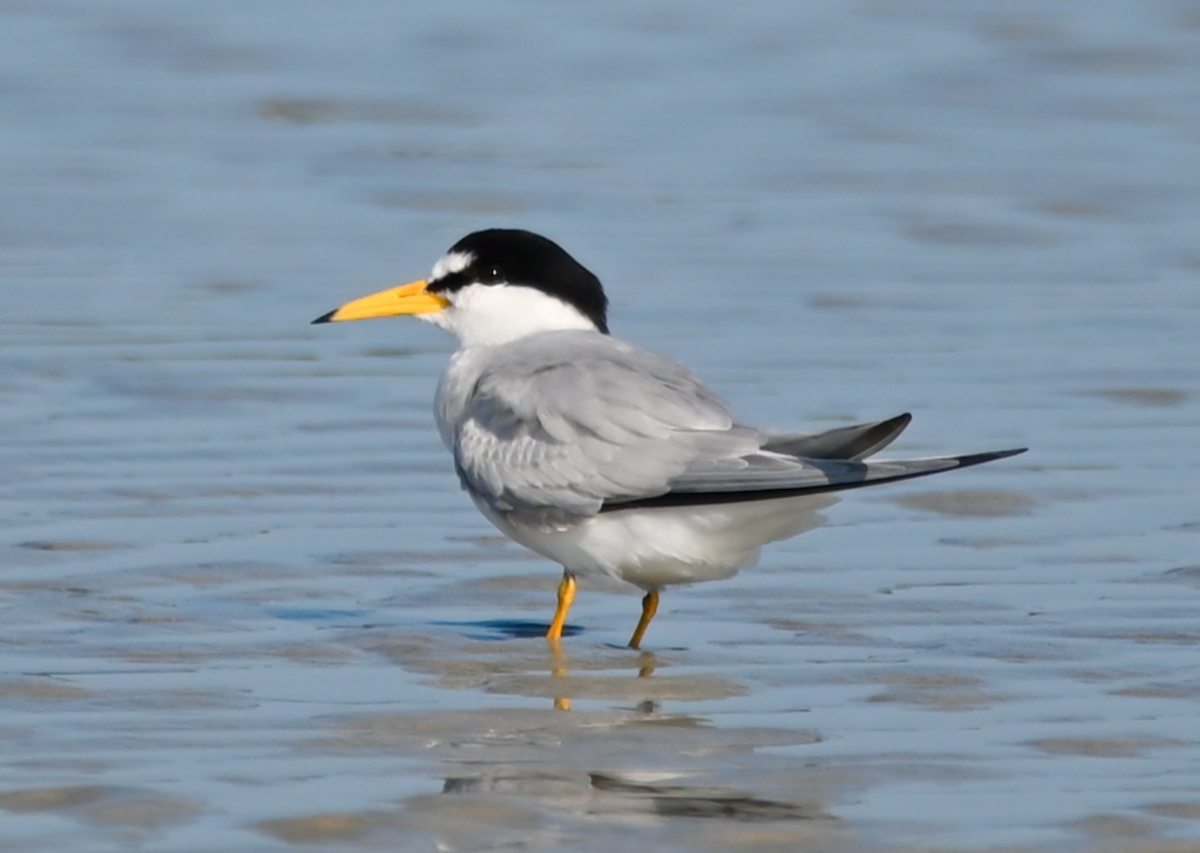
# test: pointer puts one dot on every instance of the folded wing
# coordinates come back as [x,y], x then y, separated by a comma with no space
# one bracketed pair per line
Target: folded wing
[565,425]
[803,477]
[562,422]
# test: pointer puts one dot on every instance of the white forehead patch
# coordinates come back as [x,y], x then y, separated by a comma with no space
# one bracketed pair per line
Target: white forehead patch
[451,263]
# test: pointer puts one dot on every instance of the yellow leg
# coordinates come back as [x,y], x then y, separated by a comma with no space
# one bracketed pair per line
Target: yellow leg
[649,608]
[566,594]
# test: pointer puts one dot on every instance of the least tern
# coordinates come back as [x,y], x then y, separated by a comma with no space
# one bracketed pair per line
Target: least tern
[604,457]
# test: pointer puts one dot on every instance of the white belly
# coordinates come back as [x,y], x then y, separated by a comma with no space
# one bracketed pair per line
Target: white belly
[652,548]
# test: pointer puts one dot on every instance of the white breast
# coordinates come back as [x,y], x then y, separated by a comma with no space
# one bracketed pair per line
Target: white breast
[454,390]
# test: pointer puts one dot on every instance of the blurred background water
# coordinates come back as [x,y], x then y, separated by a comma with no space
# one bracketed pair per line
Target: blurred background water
[244,604]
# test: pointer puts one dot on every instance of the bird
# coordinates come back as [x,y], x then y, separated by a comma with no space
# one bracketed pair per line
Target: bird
[604,457]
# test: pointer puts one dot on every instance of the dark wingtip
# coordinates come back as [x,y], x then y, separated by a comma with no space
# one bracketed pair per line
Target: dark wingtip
[324,318]
[991,456]
[878,437]
[895,426]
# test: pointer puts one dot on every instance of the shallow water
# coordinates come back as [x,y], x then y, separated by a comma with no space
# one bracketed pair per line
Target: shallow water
[245,606]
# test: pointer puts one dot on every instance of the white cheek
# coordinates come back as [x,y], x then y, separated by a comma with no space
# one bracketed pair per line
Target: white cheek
[494,314]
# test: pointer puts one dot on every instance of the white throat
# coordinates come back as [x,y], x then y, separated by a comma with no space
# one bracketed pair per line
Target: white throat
[487,315]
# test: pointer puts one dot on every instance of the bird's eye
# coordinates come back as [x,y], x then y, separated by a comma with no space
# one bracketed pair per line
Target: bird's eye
[492,275]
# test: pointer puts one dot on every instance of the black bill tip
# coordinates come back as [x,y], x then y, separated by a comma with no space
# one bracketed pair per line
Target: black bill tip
[324,318]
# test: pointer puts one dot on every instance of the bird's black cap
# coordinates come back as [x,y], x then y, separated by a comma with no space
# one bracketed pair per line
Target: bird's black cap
[514,256]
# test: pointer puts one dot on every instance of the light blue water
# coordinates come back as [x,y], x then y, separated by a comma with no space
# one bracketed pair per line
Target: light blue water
[243,603]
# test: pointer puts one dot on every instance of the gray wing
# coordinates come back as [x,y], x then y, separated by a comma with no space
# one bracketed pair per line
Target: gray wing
[569,424]
[561,423]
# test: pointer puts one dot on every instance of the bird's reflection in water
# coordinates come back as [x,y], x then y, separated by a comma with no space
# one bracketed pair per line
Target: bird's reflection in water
[646,663]
[612,795]
[563,673]
[559,669]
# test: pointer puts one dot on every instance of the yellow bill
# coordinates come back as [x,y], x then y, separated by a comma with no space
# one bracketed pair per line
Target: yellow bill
[407,299]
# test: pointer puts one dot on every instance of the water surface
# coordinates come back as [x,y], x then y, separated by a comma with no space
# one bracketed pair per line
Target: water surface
[246,607]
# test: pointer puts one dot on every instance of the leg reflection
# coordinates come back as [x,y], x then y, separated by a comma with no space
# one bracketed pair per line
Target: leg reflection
[558,669]
[647,663]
